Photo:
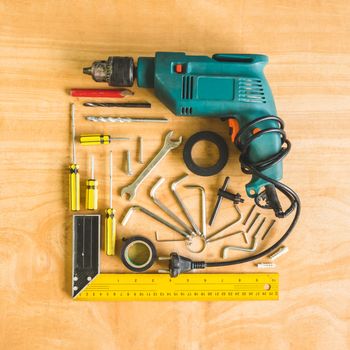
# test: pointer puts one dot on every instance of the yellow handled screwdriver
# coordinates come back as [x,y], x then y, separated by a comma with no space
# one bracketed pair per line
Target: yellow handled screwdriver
[99,139]
[110,222]
[91,197]
[74,179]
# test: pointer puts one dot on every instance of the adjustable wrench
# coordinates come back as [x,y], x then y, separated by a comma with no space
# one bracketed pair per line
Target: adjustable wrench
[168,145]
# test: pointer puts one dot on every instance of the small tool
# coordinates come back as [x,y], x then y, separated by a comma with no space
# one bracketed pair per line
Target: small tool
[86,250]
[128,163]
[218,201]
[74,178]
[140,141]
[162,206]
[91,198]
[168,145]
[203,208]
[99,139]
[182,204]
[113,104]
[125,120]
[110,221]
[117,93]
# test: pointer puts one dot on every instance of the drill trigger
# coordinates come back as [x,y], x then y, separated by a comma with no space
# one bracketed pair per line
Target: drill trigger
[233,127]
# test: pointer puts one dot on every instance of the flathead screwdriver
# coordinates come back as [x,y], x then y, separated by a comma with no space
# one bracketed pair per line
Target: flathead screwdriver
[99,139]
[91,198]
[74,178]
[110,221]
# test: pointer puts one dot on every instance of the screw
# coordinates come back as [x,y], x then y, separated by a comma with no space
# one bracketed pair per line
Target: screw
[128,163]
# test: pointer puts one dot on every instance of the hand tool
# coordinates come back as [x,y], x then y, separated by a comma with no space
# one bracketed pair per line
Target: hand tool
[223,193]
[268,229]
[86,251]
[168,145]
[187,287]
[74,178]
[91,197]
[138,253]
[203,208]
[128,163]
[167,240]
[243,249]
[211,137]
[218,201]
[209,240]
[125,120]
[98,139]
[182,204]
[249,214]
[162,206]
[110,221]
[114,93]
[279,252]
[229,86]
[140,139]
[155,217]
[265,266]
[123,104]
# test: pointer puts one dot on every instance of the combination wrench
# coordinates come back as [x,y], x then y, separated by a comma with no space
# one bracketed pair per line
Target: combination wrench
[168,145]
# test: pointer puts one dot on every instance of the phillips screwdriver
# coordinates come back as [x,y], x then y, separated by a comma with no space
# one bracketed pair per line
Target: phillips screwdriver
[91,197]
[98,139]
[74,179]
[110,221]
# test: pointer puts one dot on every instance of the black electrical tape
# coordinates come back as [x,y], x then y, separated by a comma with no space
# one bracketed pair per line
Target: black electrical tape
[211,137]
[127,242]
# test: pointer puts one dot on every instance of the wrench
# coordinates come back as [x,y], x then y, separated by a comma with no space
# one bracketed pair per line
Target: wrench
[168,145]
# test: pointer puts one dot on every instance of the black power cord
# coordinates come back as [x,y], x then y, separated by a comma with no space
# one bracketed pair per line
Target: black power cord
[244,138]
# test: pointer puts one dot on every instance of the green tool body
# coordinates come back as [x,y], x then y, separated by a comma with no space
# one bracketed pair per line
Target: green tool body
[222,86]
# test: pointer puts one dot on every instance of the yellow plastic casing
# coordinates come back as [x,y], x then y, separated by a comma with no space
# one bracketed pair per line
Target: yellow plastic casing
[91,197]
[74,187]
[94,139]
[110,231]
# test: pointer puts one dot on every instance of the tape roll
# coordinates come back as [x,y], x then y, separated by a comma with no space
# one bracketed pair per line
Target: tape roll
[138,253]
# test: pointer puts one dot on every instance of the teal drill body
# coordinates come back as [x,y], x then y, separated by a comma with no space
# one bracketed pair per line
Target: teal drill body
[221,86]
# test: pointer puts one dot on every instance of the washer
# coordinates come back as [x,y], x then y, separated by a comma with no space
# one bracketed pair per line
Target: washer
[211,137]
[146,257]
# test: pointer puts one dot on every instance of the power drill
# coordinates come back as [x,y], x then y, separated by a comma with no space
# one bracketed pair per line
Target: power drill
[226,86]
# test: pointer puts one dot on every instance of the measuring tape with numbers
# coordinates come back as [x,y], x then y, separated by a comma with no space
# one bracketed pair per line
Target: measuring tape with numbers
[89,284]
[201,287]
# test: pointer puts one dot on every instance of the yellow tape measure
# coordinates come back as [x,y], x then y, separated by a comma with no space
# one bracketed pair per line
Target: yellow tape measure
[200,287]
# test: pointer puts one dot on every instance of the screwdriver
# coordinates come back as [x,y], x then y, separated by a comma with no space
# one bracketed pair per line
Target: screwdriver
[74,179]
[98,139]
[110,222]
[91,197]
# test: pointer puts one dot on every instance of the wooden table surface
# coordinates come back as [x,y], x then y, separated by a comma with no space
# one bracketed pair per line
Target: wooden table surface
[43,47]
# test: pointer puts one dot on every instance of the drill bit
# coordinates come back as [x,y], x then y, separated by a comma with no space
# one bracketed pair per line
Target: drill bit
[113,104]
[125,120]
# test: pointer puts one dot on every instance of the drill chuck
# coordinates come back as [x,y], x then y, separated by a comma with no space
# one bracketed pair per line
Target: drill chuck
[116,71]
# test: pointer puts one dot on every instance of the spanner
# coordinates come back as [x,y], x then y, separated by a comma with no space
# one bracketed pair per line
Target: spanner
[168,145]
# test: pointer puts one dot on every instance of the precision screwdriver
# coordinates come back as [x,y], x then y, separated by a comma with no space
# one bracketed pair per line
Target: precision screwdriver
[91,198]
[98,139]
[74,178]
[110,221]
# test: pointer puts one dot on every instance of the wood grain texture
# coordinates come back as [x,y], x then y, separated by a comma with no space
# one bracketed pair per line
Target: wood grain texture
[43,47]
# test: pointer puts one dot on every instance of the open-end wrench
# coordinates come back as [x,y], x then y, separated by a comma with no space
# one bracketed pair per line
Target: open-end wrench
[168,145]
